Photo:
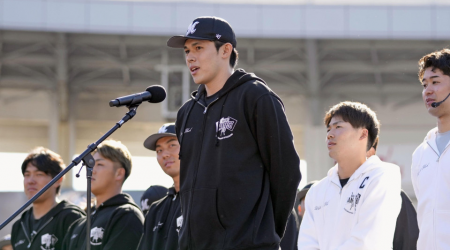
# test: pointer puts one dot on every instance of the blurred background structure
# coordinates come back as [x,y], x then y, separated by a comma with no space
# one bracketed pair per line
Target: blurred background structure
[61,61]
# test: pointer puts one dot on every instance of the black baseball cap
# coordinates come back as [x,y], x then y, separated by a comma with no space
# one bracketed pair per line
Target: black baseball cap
[167,129]
[305,190]
[206,28]
[152,194]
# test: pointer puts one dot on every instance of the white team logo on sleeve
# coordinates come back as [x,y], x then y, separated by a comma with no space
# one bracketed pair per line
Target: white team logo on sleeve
[97,236]
[191,29]
[48,242]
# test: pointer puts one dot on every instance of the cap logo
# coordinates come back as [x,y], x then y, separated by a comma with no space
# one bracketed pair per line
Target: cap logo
[191,29]
[218,36]
[163,129]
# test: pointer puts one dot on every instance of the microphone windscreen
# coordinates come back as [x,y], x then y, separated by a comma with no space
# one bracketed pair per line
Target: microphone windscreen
[158,93]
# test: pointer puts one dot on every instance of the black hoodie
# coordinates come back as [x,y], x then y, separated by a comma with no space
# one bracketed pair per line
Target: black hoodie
[49,231]
[115,224]
[239,168]
[407,229]
[160,227]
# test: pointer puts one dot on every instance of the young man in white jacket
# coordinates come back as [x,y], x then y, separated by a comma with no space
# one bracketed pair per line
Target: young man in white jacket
[430,170]
[355,207]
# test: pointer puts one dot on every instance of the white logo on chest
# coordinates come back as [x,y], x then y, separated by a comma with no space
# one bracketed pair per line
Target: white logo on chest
[48,242]
[179,223]
[225,126]
[352,202]
[97,236]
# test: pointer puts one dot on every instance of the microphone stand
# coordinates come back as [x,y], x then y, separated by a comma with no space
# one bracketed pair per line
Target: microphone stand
[89,162]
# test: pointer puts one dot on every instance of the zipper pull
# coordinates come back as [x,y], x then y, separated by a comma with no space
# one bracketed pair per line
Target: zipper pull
[206,108]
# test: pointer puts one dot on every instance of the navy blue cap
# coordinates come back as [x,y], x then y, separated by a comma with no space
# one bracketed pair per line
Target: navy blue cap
[152,194]
[167,129]
[206,28]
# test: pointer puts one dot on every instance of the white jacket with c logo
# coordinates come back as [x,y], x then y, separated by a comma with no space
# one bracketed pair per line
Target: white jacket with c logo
[360,216]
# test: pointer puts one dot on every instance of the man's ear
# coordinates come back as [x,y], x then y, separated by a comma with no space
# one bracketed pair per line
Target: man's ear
[226,50]
[364,134]
[58,182]
[120,174]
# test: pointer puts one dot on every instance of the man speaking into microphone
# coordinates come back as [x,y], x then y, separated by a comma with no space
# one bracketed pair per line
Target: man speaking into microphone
[430,170]
[239,168]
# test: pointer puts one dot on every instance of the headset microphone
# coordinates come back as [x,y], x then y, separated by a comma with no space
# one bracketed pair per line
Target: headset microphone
[436,104]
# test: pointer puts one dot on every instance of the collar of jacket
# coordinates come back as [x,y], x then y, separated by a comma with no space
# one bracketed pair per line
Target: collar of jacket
[235,80]
[368,165]
[117,200]
[430,139]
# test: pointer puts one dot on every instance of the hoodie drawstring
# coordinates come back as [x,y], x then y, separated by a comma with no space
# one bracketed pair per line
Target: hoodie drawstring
[170,195]
[220,117]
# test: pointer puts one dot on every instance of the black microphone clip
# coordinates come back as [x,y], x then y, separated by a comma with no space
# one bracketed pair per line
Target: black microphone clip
[436,104]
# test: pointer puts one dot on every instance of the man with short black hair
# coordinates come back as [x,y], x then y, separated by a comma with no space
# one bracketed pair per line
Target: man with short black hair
[162,222]
[431,160]
[239,168]
[116,221]
[356,206]
[45,224]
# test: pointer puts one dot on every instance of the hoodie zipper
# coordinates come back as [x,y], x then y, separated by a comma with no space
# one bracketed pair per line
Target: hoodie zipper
[198,163]
[39,230]
[26,234]
[206,108]
[439,155]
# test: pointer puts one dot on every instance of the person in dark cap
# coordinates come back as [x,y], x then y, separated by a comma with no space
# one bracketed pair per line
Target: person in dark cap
[5,243]
[237,154]
[163,220]
[152,194]
[301,198]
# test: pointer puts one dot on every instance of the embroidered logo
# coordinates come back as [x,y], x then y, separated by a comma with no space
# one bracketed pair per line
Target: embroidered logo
[144,205]
[159,225]
[163,129]
[224,125]
[73,236]
[423,167]
[97,236]
[48,242]
[20,242]
[363,183]
[179,223]
[352,201]
[187,130]
[218,36]
[191,29]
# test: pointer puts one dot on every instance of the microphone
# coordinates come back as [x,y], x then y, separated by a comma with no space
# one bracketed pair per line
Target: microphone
[152,94]
[436,104]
